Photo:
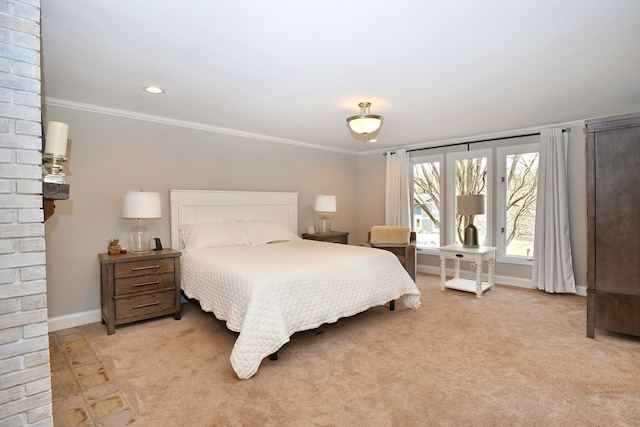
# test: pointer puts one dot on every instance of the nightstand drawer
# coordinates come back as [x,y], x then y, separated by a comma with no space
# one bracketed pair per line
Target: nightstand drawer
[341,239]
[152,282]
[145,305]
[143,267]
[331,237]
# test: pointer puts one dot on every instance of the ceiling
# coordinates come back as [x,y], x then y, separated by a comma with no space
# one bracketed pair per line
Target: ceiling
[293,71]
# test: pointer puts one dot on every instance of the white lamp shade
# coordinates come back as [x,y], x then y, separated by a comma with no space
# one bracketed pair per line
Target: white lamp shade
[325,203]
[141,204]
[471,204]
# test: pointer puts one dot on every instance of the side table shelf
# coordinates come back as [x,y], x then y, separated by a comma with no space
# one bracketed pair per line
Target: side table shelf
[475,255]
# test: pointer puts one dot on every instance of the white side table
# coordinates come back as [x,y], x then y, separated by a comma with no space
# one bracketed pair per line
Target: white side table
[476,255]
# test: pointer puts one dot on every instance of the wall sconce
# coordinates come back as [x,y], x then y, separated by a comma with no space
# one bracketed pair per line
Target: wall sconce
[138,205]
[55,152]
[471,204]
[325,204]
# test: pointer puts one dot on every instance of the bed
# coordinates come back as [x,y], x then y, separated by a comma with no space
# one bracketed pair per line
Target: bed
[242,260]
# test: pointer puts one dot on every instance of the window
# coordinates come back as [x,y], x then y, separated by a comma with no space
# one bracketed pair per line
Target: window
[471,174]
[518,195]
[509,219]
[426,201]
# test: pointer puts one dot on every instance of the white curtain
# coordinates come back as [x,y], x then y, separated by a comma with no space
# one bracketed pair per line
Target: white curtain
[552,264]
[397,194]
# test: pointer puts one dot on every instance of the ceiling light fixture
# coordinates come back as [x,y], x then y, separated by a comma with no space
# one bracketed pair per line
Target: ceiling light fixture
[365,126]
[154,89]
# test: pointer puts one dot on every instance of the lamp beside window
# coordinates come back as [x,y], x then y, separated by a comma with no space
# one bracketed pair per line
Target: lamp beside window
[325,204]
[138,205]
[471,204]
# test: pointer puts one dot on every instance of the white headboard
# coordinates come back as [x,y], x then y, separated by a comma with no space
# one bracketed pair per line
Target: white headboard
[192,206]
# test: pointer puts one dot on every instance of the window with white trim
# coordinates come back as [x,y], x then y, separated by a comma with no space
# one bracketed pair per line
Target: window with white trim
[471,172]
[509,219]
[517,196]
[426,201]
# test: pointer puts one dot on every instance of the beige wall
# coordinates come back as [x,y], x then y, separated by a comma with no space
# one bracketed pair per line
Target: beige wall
[109,155]
[371,186]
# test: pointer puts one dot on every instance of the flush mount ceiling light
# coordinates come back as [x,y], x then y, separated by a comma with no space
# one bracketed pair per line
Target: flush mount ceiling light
[154,89]
[365,125]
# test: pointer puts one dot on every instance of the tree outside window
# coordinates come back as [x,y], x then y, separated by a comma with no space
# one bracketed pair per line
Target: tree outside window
[426,203]
[517,172]
[471,178]
[522,188]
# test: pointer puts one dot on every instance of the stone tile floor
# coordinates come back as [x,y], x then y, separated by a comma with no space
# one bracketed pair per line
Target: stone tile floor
[83,394]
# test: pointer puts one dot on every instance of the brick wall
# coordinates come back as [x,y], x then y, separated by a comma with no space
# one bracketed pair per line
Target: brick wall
[25,385]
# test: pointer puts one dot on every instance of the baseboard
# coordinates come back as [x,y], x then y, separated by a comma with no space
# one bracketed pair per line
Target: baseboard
[503,280]
[77,319]
[72,320]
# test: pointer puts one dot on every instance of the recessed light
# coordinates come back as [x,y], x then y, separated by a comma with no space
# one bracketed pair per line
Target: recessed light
[154,89]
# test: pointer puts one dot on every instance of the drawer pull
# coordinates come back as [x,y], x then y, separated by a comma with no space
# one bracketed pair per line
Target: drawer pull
[155,282]
[146,305]
[460,255]
[148,267]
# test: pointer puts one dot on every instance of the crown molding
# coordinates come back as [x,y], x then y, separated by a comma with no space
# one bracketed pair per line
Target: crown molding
[479,137]
[233,132]
[72,105]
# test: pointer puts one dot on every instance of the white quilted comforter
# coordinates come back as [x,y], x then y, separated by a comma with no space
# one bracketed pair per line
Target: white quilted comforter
[268,292]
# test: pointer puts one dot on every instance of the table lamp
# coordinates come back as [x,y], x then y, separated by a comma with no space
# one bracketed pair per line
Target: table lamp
[138,205]
[325,204]
[471,204]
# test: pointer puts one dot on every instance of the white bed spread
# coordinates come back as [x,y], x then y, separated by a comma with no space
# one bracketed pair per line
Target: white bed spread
[268,292]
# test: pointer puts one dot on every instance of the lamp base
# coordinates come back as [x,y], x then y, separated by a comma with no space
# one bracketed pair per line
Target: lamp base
[139,239]
[324,224]
[52,168]
[470,237]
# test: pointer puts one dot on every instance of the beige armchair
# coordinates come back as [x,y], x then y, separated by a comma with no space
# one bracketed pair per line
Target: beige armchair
[399,240]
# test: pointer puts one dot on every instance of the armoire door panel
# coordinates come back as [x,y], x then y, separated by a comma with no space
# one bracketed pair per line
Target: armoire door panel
[617,210]
[613,224]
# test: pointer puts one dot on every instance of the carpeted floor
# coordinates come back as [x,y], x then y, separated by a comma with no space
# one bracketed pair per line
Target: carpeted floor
[513,357]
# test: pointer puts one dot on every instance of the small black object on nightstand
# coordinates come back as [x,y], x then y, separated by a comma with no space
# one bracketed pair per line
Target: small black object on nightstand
[158,244]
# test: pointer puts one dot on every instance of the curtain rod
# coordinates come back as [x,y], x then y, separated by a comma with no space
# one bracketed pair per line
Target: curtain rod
[467,143]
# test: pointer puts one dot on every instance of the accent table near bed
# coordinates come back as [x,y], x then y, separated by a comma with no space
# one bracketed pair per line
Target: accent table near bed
[138,286]
[331,236]
[475,255]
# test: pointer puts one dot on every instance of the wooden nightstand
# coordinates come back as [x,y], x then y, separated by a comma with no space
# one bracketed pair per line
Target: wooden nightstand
[139,286]
[332,237]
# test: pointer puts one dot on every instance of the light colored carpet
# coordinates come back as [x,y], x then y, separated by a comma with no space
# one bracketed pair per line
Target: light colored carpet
[513,357]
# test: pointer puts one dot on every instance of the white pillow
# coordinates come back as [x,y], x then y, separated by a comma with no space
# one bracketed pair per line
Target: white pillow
[213,235]
[261,231]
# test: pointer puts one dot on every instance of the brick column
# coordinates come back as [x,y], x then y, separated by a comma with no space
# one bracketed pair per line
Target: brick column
[25,385]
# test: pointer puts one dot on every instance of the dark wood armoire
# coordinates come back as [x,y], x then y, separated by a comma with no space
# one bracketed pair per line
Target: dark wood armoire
[613,215]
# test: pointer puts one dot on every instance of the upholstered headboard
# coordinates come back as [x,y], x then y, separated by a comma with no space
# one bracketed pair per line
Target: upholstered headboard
[194,206]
